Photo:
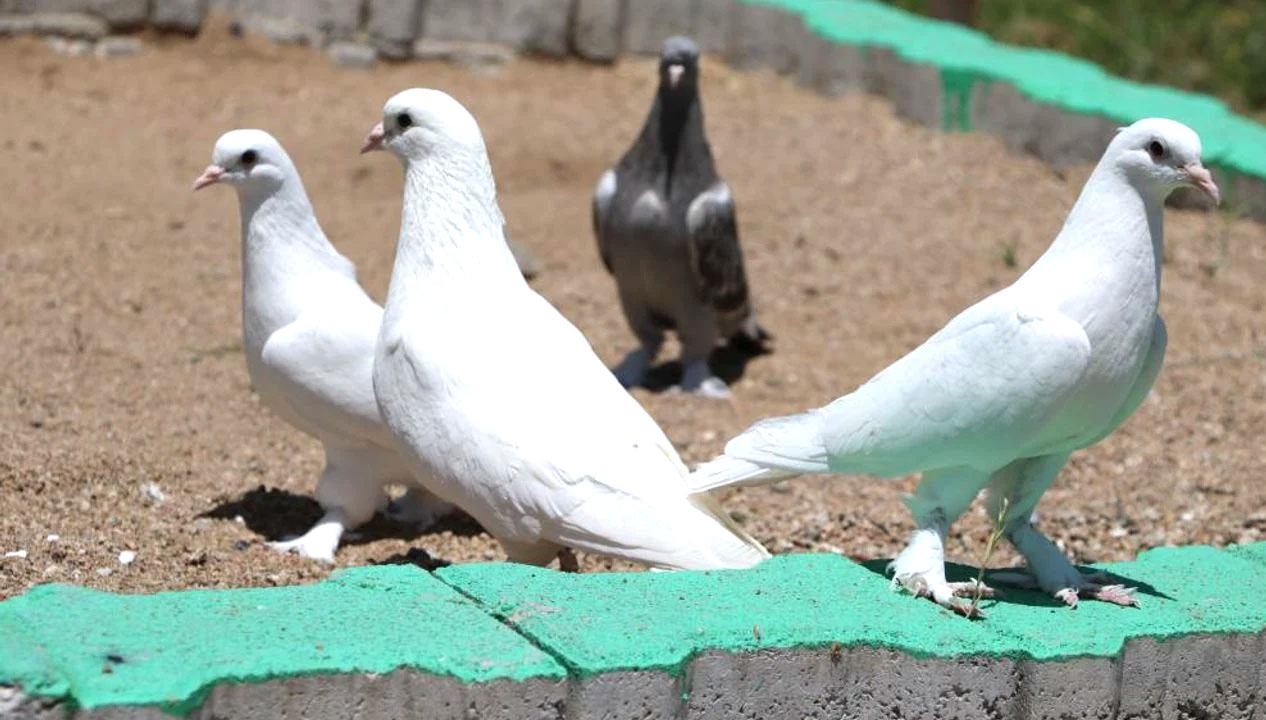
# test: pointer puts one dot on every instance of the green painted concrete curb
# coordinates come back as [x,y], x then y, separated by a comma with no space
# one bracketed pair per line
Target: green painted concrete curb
[967,58]
[659,621]
[98,649]
[485,622]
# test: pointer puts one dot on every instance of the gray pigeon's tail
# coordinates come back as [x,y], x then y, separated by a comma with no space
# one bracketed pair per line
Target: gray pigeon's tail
[750,338]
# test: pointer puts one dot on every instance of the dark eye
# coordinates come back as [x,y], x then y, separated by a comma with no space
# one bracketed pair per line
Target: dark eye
[403,120]
[249,157]
[1156,149]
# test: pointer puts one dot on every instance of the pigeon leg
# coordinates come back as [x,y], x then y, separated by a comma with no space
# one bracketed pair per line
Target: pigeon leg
[631,372]
[698,339]
[320,542]
[418,507]
[350,489]
[939,499]
[1022,484]
[698,378]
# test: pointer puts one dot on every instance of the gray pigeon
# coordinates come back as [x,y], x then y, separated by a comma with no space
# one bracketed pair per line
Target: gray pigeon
[666,231]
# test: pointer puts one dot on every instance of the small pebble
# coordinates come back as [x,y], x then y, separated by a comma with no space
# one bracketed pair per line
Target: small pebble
[152,493]
[104,572]
[127,557]
[16,554]
[53,537]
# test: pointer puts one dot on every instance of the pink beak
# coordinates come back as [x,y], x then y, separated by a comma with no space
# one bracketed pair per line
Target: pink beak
[1203,180]
[212,175]
[674,74]
[373,141]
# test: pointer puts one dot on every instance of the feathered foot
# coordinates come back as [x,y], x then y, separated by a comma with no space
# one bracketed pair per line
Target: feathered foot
[320,542]
[698,379]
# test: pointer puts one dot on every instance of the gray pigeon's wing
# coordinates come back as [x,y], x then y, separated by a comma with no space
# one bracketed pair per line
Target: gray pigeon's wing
[715,256]
[602,197]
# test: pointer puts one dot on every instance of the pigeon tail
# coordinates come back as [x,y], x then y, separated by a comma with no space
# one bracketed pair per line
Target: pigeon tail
[750,338]
[769,451]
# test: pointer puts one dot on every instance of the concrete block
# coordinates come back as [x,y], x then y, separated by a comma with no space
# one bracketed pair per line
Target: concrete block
[311,22]
[831,68]
[1079,688]
[857,682]
[471,20]
[1066,138]
[646,695]
[119,14]
[1001,110]
[597,29]
[70,25]
[353,55]
[393,26]
[1198,676]
[118,46]
[763,37]
[1247,195]
[184,16]
[712,25]
[647,23]
[469,54]
[914,88]
[307,646]
[535,26]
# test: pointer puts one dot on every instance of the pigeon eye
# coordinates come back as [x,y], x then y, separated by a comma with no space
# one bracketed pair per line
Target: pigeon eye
[403,120]
[1156,149]
[249,157]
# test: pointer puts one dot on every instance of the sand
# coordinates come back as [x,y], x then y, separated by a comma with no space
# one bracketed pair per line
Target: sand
[126,416]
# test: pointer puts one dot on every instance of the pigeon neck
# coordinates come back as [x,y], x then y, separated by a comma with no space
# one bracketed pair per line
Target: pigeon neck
[450,225]
[673,134]
[282,218]
[1114,217]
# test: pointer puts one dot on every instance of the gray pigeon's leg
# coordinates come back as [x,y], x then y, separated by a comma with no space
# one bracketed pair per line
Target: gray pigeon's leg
[698,335]
[631,372]
[939,499]
[1022,484]
[349,496]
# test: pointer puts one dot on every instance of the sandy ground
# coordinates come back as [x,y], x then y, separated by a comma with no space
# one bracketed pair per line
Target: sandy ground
[127,422]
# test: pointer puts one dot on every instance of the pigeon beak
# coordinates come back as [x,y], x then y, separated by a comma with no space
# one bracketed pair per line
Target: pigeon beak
[1200,177]
[373,141]
[212,175]
[674,74]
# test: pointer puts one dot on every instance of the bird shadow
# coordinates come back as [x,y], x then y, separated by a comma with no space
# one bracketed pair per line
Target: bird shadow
[277,514]
[728,362]
[1013,595]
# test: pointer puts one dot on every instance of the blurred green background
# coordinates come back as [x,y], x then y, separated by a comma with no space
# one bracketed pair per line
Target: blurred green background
[1211,46]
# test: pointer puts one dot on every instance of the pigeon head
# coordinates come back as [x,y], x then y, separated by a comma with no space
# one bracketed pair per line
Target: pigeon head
[252,161]
[1161,156]
[678,64]
[419,123]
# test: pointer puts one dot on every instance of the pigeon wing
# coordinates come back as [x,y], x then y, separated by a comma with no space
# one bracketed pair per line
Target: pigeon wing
[715,256]
[977,394]
[603,194]
[323,365]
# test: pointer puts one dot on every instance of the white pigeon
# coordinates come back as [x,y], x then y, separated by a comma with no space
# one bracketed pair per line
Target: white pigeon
[309,332]
[499,401]
[1003,393]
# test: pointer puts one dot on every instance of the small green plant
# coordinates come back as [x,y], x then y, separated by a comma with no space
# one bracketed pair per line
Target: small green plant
[1007,253]
[995,536]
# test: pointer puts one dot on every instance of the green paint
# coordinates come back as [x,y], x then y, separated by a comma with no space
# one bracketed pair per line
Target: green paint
[627,621]
[99,649]
[965,56]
